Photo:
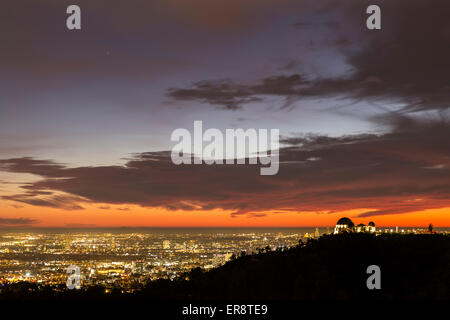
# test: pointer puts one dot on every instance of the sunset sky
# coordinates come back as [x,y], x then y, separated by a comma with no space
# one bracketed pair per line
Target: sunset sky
[86,116]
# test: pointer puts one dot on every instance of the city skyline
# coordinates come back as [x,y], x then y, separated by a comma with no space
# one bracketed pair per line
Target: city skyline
[129,259]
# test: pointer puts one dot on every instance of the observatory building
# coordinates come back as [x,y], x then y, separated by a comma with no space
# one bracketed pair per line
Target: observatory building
[346,225]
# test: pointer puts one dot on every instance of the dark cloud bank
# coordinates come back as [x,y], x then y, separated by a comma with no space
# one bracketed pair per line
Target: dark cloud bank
[405,170]
[5,222]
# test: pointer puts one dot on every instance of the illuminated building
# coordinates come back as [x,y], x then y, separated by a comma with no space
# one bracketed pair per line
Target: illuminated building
[344,225]
[316,233]
[166,244]
[347,225]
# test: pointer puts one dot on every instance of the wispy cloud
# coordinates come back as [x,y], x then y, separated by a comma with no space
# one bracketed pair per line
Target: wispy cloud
[395,65]
[17,221]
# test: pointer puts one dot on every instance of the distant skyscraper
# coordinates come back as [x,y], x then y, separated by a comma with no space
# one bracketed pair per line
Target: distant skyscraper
[67,244]
[166,244]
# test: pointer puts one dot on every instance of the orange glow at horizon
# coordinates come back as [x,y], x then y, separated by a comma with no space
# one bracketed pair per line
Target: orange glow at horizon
[105,215]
